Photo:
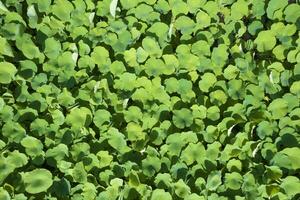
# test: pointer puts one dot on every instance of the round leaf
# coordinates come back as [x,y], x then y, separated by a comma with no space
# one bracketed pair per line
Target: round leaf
[265,41]
[7,72]
[37,181]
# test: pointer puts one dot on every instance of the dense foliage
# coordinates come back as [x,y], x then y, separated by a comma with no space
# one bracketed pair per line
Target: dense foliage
[149,99]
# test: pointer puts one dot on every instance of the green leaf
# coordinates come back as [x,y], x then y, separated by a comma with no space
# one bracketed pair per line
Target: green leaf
[37,181]
[160,194]
[135,132]
[187,61]
[126,81]
[28,69]
[211,7]
[100,56]
[219,57]
[52,48]
[65,98]
[213,180]
[13,131]
[5,48]
[176,141]
[258,8]
[234,165]
[218,97]
[57,153]
[117,68]
[203,19]
[8,164]
[6,169]
[290,185]
[265,129]
[154,67]
[291,13]
[171,64]
[7,72]
[171,85]
[279,52]
[25,44]
[201,48]
[185,24]
[239,9]
[128,4]
[275,7]
[207,81]
[273,173]
[199,111]
[43,6]
[32,15]
[235,89]
[33,146]
[151,165]
[182,118]
[145,13]
[5,195]
[278,108]
[117,140]
[79,117]
[2,103]
[163,180]
[287,158]
[152,47]
[105,158]
[101,117]
[178,7]
[231,72]
[192,153]
[213,113]
[185,90]
[133,114]
[233,180]
[255,27]
[113,7]
[62,9]
[61,187]
[78,173]
[295,88]
[194,5]
[181,189]
[265,41]
[211,134]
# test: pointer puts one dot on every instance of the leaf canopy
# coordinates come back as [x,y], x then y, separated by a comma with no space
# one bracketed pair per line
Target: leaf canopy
[149,99]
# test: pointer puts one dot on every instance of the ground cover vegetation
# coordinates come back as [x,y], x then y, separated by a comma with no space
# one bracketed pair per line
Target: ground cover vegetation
[149,99]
